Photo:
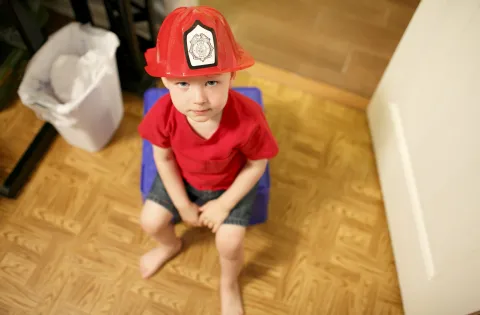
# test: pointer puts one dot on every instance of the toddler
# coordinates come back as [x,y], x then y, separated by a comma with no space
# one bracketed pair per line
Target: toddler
[211,144]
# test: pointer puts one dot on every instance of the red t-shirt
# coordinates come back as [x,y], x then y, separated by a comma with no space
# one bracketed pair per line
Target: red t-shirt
[211,164]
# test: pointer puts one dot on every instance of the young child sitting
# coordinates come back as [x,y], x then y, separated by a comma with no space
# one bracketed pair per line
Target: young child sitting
[210,144]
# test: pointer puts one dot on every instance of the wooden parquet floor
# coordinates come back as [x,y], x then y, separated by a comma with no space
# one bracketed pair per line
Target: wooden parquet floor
[71,242]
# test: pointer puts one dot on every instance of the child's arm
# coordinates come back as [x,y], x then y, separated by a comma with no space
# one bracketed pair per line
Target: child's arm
[246,179]
[168,170]
[214,212]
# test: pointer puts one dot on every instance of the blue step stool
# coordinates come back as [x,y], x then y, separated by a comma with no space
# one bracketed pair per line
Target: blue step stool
[149,169]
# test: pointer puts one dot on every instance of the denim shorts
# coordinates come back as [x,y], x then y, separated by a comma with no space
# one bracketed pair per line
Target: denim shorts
[239,215]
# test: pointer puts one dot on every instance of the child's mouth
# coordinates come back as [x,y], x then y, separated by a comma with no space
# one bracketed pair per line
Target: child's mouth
[201,112]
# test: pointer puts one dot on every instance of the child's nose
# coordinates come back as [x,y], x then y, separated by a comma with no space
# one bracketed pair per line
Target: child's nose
[200,97]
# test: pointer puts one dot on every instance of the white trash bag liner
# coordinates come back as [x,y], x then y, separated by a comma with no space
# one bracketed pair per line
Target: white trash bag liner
[72,82]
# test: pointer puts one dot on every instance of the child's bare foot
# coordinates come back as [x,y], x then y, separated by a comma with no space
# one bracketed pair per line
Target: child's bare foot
[154,259]
[231,299]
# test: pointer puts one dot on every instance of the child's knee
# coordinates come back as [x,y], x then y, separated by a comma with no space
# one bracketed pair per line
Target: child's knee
[229,240]
[154,217]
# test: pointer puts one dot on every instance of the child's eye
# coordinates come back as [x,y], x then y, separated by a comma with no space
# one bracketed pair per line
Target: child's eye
[182,84]
[212,83]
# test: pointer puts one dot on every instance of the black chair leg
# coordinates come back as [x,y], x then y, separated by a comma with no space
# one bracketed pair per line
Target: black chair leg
[21,172]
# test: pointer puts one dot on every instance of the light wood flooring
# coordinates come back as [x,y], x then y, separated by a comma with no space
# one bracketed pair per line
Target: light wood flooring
[345,43]
[71,242]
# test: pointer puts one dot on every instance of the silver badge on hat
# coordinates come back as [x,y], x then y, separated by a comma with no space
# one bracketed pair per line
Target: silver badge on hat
[200,46]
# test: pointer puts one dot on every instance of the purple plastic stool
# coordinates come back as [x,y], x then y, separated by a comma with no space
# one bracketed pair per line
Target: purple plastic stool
[149,169]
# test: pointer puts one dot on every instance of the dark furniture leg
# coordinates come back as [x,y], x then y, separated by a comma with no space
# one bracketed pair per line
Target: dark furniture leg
[129,55]
[29,160]
[33,39]
[26,25]
[82,11]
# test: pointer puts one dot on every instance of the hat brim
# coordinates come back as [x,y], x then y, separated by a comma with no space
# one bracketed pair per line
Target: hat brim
[160,68]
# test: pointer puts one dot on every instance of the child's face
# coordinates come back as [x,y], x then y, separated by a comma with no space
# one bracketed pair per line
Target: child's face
[200,98]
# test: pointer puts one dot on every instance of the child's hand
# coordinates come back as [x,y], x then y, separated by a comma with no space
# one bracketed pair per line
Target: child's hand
[213,213]
[190,214]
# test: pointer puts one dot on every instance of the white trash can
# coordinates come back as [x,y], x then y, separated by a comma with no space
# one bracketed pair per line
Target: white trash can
[90,118]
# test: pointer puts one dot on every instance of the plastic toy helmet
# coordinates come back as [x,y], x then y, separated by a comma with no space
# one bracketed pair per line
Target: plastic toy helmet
[195,41]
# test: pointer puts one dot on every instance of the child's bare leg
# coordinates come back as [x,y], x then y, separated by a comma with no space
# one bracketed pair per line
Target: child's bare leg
[229,241]
[156,221]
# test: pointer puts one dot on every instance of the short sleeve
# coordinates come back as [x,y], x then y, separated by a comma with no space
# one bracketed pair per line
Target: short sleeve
[260,143]
[154,126]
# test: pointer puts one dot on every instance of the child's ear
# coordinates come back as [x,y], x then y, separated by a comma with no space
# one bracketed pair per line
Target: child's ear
[166,83]
[232,78]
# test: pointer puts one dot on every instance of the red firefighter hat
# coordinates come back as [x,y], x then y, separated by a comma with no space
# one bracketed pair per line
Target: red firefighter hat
[195,41]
